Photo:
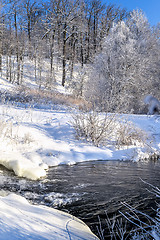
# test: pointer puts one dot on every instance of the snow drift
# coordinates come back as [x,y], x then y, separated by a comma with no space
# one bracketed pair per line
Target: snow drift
[21,220]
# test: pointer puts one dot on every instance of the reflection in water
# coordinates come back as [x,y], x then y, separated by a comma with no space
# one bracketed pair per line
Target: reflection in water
[88,189]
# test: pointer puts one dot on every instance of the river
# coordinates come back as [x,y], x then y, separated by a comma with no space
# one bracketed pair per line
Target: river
[90,189]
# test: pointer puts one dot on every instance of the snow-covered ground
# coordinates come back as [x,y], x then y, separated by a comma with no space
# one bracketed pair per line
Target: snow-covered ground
[21,220]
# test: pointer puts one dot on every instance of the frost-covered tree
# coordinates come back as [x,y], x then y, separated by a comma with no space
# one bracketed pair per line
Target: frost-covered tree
[110,69]
[123,72]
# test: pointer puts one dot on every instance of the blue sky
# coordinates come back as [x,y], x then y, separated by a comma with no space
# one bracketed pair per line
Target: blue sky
[151,8]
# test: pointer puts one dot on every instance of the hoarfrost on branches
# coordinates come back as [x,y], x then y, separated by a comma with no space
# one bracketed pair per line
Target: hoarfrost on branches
[127,68]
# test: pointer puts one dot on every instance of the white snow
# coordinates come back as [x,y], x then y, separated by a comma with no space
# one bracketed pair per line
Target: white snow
[21,220]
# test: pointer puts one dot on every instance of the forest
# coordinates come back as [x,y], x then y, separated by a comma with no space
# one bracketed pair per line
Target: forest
[106,54]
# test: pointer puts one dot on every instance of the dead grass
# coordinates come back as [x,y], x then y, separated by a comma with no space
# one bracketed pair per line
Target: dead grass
[5,129]
[54,97]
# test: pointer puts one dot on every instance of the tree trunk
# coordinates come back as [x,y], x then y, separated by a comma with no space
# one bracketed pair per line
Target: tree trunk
[7,67]
[88,41]
[10,67]
[72,60]
[94,34]
[64,56]
[82,56]
[17,48]
[1,52]
[51,59]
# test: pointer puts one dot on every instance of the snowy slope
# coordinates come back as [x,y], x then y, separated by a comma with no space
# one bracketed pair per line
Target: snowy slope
[21,220]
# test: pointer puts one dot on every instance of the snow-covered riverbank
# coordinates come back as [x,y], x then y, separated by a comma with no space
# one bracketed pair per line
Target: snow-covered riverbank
[33,139]
[21,220]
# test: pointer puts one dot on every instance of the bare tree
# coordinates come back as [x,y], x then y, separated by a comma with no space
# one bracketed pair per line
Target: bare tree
[68,31]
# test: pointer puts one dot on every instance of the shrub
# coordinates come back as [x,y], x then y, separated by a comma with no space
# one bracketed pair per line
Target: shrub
[128,134]
[104,129]
[94,127]
[5,129]
[27,139]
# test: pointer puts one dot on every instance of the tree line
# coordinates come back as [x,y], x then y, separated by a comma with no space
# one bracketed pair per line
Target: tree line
[120,49]
[71,31]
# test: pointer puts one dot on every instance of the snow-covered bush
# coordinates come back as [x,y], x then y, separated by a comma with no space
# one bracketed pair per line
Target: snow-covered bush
[27,139]
[128,134]
[5,129]
[93,127]
[105,129]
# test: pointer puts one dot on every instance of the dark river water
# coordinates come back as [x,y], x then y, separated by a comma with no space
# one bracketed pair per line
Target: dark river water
[88,190]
